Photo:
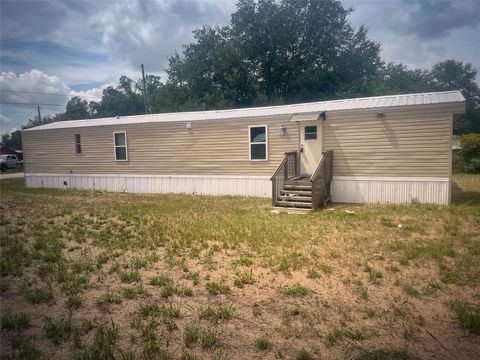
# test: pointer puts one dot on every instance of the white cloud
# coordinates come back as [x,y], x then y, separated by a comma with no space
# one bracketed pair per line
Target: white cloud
[34,88]
[94,94]
[5,122]
[6,125]
[421,33]
[149,32]
[9,131]
[31,87]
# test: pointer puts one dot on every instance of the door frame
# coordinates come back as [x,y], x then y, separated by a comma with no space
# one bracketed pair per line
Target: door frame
[320,136]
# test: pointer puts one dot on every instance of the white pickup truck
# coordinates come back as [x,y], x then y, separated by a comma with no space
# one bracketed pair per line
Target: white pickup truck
[8,162]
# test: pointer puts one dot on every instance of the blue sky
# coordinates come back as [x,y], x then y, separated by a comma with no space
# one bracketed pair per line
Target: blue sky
[79,47]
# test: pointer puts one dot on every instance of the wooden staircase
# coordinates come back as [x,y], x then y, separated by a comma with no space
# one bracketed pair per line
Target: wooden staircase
[296,193]
[293,191]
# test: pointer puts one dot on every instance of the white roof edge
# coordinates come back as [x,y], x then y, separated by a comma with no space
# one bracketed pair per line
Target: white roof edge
[292,109]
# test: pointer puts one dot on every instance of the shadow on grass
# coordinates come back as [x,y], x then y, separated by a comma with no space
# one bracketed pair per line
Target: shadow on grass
[462,197]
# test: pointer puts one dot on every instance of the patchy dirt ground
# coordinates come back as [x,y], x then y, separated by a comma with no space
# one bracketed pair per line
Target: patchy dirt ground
[93,275]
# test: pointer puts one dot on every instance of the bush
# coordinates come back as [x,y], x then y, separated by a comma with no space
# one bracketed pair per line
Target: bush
[470,152]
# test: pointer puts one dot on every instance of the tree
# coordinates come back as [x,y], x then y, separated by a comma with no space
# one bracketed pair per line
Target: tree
[76,109]
[13,140]
[37,122]
[123,100]
[456,75]
[402,80]
[275,52]
[471,152]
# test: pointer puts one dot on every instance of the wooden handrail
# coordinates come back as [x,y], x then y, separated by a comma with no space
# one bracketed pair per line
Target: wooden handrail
[282,174]
[321,179]
[279,167]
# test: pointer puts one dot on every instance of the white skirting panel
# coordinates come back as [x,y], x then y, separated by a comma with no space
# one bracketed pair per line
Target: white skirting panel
[178,184]
[384,190]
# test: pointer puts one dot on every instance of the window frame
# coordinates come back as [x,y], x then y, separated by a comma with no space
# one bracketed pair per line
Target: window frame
[250,143]
[310,133]
[78,145]
[115,146]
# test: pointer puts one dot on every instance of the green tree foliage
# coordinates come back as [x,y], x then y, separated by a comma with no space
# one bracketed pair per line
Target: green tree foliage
[470,153]
[456,75]
[76,109]
[274,52]
[12,141]
[37,122]
[125,99]
[444,76]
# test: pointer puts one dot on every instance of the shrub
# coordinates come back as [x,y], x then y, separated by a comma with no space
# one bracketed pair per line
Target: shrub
[470,152]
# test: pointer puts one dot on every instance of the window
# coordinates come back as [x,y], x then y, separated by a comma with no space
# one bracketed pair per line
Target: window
[78,145]
[310,133]
[120,142]
[258,142]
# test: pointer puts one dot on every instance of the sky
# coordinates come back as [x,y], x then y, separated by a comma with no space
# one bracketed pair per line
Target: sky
[65,48]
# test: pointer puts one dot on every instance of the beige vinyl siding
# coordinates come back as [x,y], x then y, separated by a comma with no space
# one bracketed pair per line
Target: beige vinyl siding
[208,148]
[410,141]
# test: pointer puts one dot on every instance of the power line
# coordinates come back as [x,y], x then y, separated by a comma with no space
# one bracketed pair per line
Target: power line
[19,122]
[22,103]
[43,93]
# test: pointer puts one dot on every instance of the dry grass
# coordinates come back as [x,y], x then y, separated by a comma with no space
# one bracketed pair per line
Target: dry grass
[101,275]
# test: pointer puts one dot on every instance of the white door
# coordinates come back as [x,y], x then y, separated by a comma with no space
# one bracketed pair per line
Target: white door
[311,143]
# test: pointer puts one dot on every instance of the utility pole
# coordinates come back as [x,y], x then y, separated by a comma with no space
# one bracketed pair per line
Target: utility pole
[39,116]
[145,95]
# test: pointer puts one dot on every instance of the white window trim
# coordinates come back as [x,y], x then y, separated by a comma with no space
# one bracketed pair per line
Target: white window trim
[250,142]
[79,143]
[115,146]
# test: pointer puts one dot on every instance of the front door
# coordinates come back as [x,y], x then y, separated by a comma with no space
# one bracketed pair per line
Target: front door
[310,145]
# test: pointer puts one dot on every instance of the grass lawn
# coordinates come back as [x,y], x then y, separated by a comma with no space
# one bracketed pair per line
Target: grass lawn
[93,275]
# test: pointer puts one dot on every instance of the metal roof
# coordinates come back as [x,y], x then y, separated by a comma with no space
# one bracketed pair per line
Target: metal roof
[294,109]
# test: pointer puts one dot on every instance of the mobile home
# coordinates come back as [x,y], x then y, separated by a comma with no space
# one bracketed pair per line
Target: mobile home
[386,149]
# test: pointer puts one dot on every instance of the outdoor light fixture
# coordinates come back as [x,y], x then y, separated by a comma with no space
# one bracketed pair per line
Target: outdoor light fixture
[283,130]
[323,115]
[189,125]
[380,115]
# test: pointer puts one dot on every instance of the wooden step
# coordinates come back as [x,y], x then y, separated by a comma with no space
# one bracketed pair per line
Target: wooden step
[293,204]
[297,192]
[298,182]
[295,198]
[289,210]
[297,187]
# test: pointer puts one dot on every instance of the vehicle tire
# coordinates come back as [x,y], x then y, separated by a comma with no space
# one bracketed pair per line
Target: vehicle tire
[3,167]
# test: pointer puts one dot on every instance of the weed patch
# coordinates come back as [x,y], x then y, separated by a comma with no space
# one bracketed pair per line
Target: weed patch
[39,295]
[217,313]
[263,344]
[296,290]
[468,315]
[244,278]
[15,321]
[216,288]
